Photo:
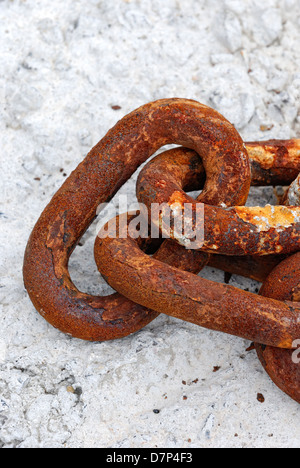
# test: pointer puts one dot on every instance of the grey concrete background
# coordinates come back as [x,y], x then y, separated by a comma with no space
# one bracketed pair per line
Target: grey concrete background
[64,65]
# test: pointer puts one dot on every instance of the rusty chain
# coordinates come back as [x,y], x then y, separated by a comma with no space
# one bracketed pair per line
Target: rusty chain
[256,242]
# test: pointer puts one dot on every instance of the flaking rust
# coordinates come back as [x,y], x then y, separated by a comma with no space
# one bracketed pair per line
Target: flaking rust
[215,160]
[252,230]
[270,217]
[188,297]
[230,230]
[236,230]
[105,169]
[182,169]
[283,283]
[274,162]
[275,154]
[282,366]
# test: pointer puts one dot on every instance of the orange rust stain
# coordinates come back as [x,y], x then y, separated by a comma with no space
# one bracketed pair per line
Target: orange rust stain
[161,184]
[265,218]
[269,154]
[261,155]
[286,344]
[177,200]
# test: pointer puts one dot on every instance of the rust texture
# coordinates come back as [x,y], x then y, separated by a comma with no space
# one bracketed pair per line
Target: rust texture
[105,169]
[283,283]
[274,162]
[256,268]
[281,364]
[238,230]
[160,276]
[186,296]
[182,169]
[252,230]
[231,231]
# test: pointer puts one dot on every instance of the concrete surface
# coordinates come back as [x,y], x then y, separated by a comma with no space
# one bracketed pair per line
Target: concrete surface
[64,66]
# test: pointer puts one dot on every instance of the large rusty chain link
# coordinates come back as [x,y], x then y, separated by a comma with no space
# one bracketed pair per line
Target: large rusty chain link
[153,277]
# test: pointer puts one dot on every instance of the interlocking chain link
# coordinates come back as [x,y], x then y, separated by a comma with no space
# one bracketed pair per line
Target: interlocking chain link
[257,242]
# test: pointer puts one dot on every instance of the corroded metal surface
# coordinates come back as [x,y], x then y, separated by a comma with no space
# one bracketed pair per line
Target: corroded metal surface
[182,169]
[105,169]
[231,231]
[274,162]
[283,365]
[256,268]
[239,230]
[214,159]
[252,230]
[186,296]
[283,283]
